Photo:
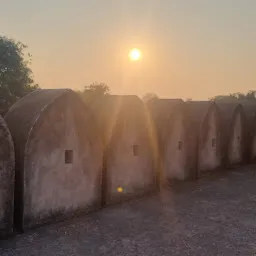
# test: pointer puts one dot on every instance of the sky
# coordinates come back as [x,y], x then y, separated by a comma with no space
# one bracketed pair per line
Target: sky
[190,48]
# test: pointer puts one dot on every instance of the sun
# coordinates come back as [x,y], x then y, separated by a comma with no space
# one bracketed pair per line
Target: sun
[135,54]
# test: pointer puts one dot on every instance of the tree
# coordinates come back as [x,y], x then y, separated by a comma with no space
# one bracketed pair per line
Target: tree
[149,96]
[15,75]
[250,95]
[94,91]
[97,89]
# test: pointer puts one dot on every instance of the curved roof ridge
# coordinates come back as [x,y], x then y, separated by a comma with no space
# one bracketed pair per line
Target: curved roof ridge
[159,107]
[51,101]
[228,109]
[249,109]
[20,100]
[198,110]
[5,125]
[25,112]
[161,112]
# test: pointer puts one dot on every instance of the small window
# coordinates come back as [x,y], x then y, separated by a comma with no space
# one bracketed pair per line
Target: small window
[213,142]
[180,145]
[135,149]
[68,156]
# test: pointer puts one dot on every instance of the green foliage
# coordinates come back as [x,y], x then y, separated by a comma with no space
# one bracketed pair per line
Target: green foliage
[250,95]
[15,75]
[94,92]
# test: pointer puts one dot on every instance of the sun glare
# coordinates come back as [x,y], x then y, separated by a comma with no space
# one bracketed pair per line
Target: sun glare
[135,54]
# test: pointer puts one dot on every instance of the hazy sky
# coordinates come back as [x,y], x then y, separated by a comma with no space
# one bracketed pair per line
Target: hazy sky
[191,48]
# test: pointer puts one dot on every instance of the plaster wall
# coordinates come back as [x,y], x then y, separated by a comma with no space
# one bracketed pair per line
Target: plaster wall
[63,161]
[209,150]
[7,164]
[129,164]
[175,161]
[235,153]
[254,145]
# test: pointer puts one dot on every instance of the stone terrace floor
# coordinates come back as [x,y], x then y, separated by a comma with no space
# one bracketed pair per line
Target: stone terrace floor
[212,216]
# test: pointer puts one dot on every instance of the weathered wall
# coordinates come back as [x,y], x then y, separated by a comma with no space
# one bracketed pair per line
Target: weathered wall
[129,159]
[175,153]
[254,147]
[7,179]
[59,157]
[249,107]
[232,130]
[209,149]
[235,150]
[53,187]
[203,136]
[170,123]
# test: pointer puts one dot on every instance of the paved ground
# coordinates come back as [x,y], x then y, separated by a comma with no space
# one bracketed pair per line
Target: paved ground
[213,216]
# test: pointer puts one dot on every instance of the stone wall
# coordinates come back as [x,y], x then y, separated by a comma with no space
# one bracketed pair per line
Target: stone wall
[61,171]
[250,133]
[235,151]
[176,150]
[7,163]
[254,147]
[129,168]
[233,133]
[72,158]
[170,122]
[209,147]
[204,133]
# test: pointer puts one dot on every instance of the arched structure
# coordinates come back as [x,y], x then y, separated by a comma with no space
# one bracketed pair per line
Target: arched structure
[233,132]
[129,160]
[204,117]
[7,163]
[58,157]
[174,142]
[249,107]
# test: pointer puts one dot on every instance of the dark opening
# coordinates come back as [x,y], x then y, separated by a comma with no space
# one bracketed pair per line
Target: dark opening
[68,156]
[18,200]
[135,149]
[180,145]
[213,142]
[238,137]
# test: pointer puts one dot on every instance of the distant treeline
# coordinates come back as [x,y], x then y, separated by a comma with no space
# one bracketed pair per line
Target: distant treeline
[250,95]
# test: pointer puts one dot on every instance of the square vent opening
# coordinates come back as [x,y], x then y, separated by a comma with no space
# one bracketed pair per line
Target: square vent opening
[69,155]
[135,149]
